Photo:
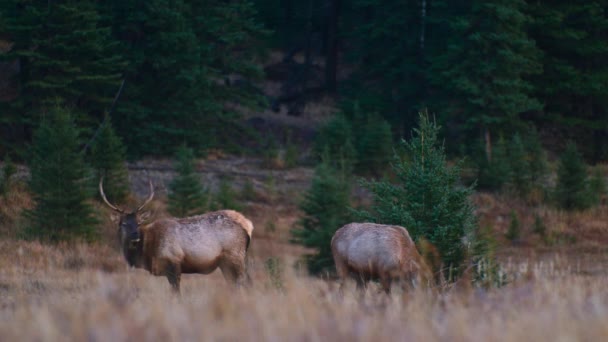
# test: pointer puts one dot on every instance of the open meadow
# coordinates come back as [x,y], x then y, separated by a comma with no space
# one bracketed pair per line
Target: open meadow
[86,293]
[77,292]
[555,290]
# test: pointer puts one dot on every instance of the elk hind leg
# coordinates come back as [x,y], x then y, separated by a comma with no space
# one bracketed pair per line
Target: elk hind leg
[234,273]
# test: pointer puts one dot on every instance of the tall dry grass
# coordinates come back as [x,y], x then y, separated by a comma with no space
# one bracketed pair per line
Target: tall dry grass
[43,296]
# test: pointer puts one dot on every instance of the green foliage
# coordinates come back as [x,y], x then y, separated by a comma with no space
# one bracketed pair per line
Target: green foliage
[493,174]
[248,191]
[225,197]
[335,142]
[274,267]
[573,39]
[358,139]
[571,190]
[520,178]
[60,182]
[373,142]
[486,66]
[66,56]
[427,198]
[107,158]
[539,226]
[185,62]
[597,187]
[8,171]
[325,207]
[187,196]
[538,164]
[514,232]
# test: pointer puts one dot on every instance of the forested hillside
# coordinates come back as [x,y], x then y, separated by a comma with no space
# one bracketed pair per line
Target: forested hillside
[173,72]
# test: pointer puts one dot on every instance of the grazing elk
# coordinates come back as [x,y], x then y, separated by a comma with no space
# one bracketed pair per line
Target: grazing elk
[198,244]
[368,251]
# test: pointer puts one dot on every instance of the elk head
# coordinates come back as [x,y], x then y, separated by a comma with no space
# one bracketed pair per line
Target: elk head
[128,225]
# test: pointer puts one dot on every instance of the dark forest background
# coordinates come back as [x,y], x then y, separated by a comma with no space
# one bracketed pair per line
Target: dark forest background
[173,72]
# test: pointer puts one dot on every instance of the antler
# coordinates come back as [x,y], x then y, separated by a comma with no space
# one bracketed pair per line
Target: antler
[149,197]
[103,196]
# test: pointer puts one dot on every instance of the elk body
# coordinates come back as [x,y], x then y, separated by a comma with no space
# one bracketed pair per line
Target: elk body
[366,251]
[198,244]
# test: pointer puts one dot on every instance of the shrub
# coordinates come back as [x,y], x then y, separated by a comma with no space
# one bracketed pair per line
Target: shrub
[514,231]
[520,179]
[494,173]
[372,141]
[8,171]
[539,226]
[334,142]
[186,194]
[325,207]
[225,197]
[571,191]
[597,186]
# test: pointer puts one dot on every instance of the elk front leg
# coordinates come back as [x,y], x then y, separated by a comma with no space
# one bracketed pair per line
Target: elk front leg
[173,273]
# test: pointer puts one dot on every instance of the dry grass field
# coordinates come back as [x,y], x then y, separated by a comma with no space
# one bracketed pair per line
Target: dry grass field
[85,293]
[557,291]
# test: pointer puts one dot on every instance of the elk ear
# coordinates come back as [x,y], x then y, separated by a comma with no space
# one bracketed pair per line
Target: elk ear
[144,216]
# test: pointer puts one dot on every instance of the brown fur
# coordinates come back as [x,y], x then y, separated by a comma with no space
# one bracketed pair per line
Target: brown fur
[199,244]
[368,251]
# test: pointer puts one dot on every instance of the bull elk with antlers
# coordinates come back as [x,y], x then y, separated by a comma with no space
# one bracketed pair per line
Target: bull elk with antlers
[198,244]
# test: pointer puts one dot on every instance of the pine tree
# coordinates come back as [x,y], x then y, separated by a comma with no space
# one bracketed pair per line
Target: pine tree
[427,198]
[225,197]
[520,177]
[373,142]
[8,170]
[60,182]
[186,194]
[597,187]
[334,142]
[325,208]
[186,61]
[65,54]
[571,190]
[539,166]
[108,160]
[493,174]
[486,67]
[574,41]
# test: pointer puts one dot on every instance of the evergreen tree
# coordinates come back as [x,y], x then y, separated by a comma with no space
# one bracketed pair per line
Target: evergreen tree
[187,196]
[334,142]
[225,197]
[373,142]
[108,160]
[186,61]
[7,172]
[59,182]
[484,71]
[571,191]
[539,166]
[597,187]
[427,198]
[574,41]
[494,173]
[520,177]
[325,208]
[66,55]
[513,233]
